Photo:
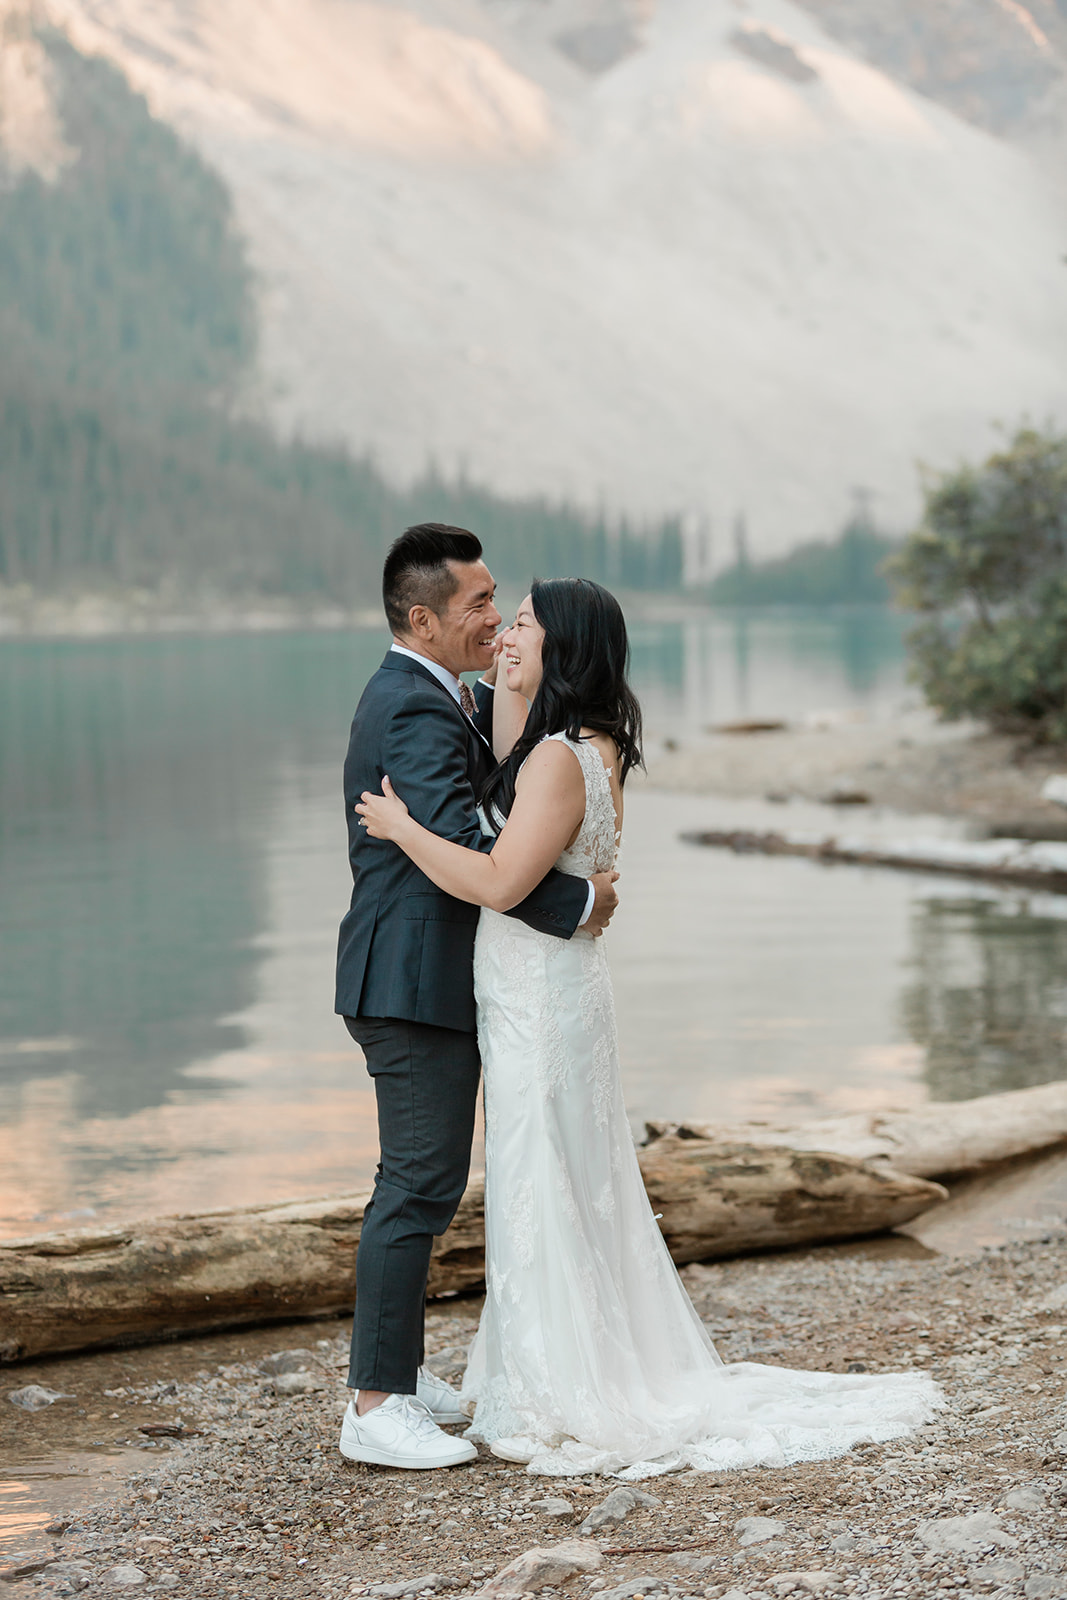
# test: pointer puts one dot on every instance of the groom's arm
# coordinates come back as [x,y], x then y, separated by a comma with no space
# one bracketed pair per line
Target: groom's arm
[424,751]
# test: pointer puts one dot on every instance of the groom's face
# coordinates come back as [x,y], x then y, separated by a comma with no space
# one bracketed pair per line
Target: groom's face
[466,629]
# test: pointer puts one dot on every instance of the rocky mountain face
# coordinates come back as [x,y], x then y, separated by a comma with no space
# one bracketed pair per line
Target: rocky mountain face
[700,255]
[990,61]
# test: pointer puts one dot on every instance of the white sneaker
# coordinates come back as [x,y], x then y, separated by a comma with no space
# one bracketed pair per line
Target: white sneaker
[439,1398]
[518,1448]
[400,1433]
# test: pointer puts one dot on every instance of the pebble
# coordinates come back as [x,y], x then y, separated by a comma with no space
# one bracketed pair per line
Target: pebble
[1043,1586]
[290,1383]
[540,1567]
[965,1535]
[126,1577]
[754,1530]
[34,1397]
[814,1582]
[691,1563]
[617,1507]
[412,1586]
[1029,1498]
[69,1577]
[284,1361]
[852,1544]
[998,1574]
[553,1507]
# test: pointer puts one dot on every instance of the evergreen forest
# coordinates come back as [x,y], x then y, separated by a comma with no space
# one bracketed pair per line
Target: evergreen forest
[127,456]
[845,571]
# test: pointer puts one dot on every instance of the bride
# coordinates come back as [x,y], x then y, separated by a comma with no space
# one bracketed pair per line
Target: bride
[590,1356]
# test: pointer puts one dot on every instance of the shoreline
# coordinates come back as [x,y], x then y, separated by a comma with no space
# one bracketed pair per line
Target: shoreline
[25,616]
[106,614]
[908,762]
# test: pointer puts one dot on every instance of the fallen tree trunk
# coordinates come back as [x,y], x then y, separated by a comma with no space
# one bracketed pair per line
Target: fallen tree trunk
[933,1141]
[165,1276]
[178,1275]
[721,1199]
[1010,861]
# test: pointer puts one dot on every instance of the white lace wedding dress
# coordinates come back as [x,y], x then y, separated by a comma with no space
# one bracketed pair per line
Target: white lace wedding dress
[589,1343]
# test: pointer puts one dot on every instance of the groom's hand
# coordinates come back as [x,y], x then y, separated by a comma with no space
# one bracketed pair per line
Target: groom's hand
[605,899]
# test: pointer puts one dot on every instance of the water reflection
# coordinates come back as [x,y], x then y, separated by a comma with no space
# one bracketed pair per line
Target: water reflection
[988,995]
[716,666]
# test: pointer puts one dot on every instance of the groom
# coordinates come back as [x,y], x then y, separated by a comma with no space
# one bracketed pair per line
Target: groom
[405,984]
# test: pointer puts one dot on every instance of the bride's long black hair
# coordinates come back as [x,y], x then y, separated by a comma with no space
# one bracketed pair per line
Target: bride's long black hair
[585,657]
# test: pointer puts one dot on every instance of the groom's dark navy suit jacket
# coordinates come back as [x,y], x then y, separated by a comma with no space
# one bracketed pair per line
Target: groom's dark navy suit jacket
[406,949]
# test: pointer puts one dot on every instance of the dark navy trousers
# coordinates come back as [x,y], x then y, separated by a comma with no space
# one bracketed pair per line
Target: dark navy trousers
[426,1083]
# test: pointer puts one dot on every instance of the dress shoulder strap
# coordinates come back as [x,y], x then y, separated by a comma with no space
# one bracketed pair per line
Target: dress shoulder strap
[588,757]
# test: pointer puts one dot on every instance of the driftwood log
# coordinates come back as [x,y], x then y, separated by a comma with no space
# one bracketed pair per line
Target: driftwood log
[178,1275]
[1040,865]
[720,1198]
[937,1140]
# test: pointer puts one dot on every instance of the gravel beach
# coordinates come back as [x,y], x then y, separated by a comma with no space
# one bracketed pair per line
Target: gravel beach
[252,1498]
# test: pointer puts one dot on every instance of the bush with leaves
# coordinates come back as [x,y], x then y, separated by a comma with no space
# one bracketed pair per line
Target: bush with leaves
[987,572]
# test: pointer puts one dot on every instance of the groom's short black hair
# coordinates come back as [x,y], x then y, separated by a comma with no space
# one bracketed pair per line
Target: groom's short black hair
[417,571]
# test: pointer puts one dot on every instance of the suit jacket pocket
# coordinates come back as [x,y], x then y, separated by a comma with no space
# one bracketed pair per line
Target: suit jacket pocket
[438,908]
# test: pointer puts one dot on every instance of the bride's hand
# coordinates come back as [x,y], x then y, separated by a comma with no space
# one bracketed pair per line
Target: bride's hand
[383,815]
[490,676]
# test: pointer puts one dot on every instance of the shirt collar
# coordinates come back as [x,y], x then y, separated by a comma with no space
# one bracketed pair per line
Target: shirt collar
[442,674]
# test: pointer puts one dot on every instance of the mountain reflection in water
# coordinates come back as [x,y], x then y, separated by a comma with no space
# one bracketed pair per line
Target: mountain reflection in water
[172,871]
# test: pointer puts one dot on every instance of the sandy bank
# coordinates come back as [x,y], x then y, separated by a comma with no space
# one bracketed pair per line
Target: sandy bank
[908,762]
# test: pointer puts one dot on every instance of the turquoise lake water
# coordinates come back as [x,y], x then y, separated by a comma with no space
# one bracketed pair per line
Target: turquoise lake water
[173,868]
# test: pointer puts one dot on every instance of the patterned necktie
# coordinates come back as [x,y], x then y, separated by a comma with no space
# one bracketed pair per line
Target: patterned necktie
[467,701]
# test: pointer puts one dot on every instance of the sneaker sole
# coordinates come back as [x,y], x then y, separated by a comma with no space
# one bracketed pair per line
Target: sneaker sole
[385,1458]
[445,1419]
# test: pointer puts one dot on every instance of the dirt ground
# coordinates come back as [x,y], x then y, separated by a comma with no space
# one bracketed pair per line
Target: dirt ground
[909,762]
[254,1499]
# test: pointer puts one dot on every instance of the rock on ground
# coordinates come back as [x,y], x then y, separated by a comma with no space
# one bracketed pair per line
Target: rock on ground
[535,1569]
[617,1507]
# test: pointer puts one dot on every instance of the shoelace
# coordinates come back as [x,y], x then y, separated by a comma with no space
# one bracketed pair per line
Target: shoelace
[416,1415]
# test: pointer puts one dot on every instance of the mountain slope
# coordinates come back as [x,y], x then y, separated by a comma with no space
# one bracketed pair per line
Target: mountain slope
[738,271]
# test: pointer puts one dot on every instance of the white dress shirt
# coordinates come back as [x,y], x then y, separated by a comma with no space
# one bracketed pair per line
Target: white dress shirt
[449,681]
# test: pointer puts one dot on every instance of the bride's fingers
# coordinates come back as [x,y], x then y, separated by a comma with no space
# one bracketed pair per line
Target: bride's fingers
[387,787]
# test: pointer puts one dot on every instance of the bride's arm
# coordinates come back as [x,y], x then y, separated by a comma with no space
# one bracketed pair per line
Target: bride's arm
[549,806]
[509,716]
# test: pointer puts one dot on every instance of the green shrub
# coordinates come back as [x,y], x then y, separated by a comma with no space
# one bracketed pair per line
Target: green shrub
[987,572]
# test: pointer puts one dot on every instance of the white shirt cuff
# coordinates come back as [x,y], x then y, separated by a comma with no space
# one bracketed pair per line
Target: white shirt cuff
[588,906]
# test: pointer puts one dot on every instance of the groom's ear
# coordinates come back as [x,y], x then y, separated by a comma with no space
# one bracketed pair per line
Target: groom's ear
[422,624]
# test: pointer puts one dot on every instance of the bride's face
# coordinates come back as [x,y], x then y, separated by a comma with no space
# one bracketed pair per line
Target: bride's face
[522,651]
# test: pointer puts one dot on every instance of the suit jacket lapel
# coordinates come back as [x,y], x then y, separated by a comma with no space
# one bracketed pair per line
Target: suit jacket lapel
[394,662]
